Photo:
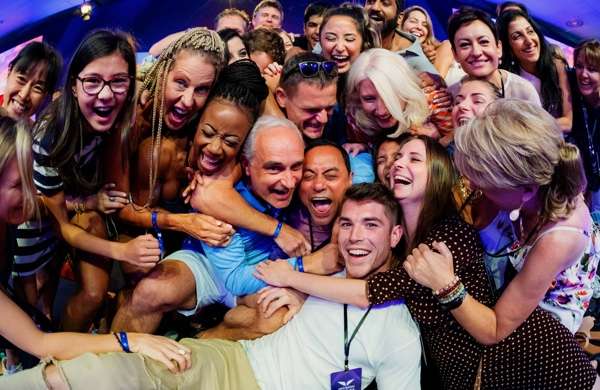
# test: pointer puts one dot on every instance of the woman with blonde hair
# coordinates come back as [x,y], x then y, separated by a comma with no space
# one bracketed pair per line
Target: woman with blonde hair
[18,202]
[384,99]
[516,156]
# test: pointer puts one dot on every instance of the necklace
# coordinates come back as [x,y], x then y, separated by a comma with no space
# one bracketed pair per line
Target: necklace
[591,138]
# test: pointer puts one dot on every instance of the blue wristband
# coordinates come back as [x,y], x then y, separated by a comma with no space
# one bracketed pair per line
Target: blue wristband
[300,264]
[158,233]
[123,342]
[277,230]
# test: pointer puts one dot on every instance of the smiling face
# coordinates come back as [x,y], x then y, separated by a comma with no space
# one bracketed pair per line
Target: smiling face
[470,102]
[102,109]
[275,169]
[269,17]
[476,49]
[341,41]
[11,196]
[416,24]
[219,136]
[324,182]
[524,41]
[408,176]
[237,50]
[311,30]
[25,91]
[383,15]
[386,155]
[308,106]
[188,84]
[373,105]
[365,238]
[588,78]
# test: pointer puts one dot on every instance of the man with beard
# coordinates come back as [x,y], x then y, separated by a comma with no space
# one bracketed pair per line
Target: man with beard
[384,16]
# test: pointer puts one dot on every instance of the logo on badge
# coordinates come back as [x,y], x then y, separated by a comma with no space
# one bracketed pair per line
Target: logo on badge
[349,385]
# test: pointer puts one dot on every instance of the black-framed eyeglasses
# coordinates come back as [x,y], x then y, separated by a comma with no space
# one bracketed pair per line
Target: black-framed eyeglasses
[310,69]
[92,85]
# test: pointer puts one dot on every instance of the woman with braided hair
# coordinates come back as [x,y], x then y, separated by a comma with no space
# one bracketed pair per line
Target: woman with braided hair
[177,282]
[151,161]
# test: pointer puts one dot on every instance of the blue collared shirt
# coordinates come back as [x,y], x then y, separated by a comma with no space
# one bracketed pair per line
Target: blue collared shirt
[235,263]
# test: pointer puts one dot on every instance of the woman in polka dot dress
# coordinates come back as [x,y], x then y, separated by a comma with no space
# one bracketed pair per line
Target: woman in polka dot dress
[539,353]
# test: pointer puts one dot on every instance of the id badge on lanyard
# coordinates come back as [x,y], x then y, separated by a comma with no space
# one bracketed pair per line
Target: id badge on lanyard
[348,379]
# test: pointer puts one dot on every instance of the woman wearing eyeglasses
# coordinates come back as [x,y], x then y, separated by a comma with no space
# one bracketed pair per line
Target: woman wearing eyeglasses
[97,100]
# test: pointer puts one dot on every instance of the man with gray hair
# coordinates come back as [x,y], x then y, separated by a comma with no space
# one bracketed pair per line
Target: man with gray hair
[272,160]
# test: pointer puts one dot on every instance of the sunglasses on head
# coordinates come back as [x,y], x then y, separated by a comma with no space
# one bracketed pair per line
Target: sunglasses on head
[311,68]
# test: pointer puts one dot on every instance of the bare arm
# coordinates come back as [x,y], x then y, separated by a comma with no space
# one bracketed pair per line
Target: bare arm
[566,121]
[280,274]
[220,200]
[19,329]
[552,253]
[158,47]
[141,251]
[444,58]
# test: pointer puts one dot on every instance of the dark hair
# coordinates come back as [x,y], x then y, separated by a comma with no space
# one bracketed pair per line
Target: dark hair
[375,192]
[293,77]
[318,142]
[35,53]
[468,15]
[242,84]
[438,200]
[370,37]
[266,40]
[316,8]
[226,35]
[545,67]
[233,12]
[63,121]
[504,5]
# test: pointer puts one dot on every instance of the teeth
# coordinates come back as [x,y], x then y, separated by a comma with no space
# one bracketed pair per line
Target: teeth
[340,58]
[358,252]
[401,180]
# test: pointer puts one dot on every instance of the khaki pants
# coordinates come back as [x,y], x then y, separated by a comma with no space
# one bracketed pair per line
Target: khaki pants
[216,364]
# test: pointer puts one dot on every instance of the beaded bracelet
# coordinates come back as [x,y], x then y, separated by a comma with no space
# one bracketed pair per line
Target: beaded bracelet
[447,288]
[456,301]
[452,294]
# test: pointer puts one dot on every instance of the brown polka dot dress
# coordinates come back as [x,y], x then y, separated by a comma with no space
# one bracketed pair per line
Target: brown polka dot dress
[540,354]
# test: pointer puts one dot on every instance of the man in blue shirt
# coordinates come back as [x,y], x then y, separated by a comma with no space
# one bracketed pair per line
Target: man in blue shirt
[272,161]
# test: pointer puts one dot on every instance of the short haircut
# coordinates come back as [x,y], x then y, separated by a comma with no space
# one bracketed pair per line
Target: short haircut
[233,12]
[316,8]
[467,15]
[263,123]
[318,142]
[291,76]
[268,3]
[506,4]
[266,40]
[396,84]
[590,48]
[35,53]
[378,193]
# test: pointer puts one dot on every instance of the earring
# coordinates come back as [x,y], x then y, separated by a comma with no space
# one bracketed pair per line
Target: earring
[515,214]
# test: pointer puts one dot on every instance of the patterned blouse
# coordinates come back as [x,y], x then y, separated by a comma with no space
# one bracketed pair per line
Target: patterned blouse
[541,353]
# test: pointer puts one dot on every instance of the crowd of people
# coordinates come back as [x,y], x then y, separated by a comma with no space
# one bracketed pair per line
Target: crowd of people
[369,206]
